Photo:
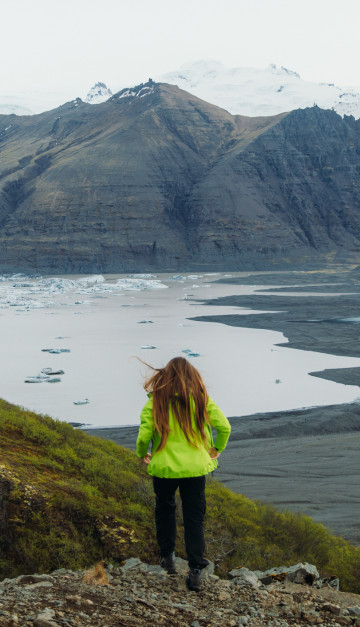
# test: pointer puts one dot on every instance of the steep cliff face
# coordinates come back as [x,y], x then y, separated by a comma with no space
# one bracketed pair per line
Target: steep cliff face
[157,179]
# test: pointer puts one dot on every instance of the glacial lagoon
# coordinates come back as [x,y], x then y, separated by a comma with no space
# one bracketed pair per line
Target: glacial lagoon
[92,327]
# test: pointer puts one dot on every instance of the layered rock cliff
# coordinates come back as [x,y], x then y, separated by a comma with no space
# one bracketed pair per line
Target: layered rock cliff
[157,179]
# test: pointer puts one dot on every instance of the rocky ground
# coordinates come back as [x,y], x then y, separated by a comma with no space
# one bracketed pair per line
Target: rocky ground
[136,594]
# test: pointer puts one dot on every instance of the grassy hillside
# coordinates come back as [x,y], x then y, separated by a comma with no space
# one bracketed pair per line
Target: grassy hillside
[68,499]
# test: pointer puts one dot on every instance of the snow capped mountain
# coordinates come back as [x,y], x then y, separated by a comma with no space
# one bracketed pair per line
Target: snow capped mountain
[241,90]
[99,93]
[261,92]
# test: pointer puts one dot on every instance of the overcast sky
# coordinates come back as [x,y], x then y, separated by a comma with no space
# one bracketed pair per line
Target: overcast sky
[66,46]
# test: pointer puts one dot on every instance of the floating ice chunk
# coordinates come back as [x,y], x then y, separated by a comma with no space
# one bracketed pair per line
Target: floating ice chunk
[148,347]
[51,371]
[22,284]
[84,402]
[56,285]
[145,322]
[277,380]
[53,380]
[139,284]
[38,378]
[190,353]
[55,351]
[82,302]
[177,277]
[142,276]
[91,280]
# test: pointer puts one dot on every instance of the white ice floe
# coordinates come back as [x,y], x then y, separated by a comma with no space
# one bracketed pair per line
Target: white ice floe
[95,279]
[55,351]
[56,285]
[139,284]
[142,276]
[19,290]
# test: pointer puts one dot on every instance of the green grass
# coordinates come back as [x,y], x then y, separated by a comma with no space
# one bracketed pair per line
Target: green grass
[74,499]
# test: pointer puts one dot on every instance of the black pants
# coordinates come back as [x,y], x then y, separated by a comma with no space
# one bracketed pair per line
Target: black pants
[192,492]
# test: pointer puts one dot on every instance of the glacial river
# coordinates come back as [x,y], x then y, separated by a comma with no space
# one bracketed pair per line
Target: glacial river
[97,324]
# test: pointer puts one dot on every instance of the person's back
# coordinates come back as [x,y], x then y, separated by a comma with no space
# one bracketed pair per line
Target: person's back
[177,419]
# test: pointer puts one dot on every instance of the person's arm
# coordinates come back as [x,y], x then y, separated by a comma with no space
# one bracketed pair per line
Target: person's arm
[146,430]
[222,426]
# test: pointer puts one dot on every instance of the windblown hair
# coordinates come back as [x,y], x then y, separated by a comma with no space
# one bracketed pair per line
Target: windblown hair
[179,385]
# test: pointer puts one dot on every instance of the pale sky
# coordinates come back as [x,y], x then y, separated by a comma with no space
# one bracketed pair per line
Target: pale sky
[65,46]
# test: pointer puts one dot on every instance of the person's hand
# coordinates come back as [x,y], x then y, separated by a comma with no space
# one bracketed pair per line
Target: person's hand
[214,454]
[147,459]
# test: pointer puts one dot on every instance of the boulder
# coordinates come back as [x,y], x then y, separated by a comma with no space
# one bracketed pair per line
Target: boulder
[300,573]
[244,575]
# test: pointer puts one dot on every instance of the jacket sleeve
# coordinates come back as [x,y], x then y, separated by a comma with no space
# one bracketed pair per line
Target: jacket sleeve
[220,423]
[146,429]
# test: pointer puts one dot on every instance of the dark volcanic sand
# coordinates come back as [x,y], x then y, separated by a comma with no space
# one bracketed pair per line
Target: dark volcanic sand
[301,460]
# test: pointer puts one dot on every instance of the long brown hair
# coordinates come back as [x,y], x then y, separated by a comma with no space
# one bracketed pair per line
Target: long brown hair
[178,385]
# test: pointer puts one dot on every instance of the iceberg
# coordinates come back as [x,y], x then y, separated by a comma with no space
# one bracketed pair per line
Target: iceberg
[91,280]
[148,347]
[139,284]
[190,353]
[50,371]
[142,276]
[56,285]
[55,351]
[84,402]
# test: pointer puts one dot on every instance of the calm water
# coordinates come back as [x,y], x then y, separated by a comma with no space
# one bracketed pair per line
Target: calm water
[102,323]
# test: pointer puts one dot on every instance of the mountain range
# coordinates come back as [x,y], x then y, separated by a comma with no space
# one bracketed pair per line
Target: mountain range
[240,90]
[157,179]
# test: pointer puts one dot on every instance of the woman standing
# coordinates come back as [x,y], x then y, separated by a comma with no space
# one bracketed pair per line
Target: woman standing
[177,419]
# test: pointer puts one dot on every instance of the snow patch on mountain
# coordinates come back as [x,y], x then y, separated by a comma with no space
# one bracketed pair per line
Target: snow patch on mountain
[261,92]
[140,91]
[98,93]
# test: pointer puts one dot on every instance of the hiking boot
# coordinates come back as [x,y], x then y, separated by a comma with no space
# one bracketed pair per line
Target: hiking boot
[168,564]
[193,580]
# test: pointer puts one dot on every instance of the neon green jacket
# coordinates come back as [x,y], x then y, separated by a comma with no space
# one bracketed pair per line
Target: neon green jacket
[179,458]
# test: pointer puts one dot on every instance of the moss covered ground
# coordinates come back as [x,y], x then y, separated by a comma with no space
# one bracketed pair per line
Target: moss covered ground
[69,499]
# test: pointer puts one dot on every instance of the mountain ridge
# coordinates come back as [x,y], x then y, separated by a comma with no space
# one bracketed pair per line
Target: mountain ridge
[155,178]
